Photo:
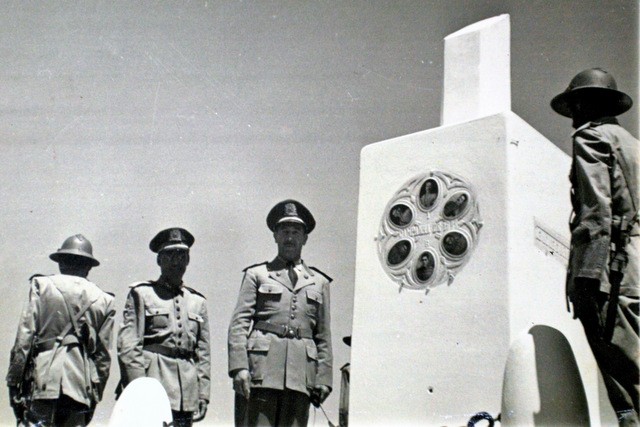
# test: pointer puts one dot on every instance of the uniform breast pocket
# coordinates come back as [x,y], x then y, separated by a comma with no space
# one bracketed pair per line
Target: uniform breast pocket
[156,318]
[269,295]
[314,301]
[195,320]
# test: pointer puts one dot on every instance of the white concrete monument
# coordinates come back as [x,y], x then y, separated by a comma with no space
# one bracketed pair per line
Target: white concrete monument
[461,261]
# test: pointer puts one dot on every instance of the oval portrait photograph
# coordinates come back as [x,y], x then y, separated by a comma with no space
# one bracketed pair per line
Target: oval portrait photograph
[399,252]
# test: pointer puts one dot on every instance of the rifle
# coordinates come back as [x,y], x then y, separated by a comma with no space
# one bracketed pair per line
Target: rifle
[620,235]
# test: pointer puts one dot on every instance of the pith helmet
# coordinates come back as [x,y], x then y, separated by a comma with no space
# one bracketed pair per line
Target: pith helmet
[595,85]
[171,238]
[77,245]
[290,211]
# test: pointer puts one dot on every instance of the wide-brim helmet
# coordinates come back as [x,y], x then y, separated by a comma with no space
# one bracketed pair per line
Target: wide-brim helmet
[594,85]
[78,246]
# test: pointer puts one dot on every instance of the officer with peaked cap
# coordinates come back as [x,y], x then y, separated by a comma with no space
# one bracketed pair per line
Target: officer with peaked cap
[602,281]
[165,331]
[279,340]
[60,361]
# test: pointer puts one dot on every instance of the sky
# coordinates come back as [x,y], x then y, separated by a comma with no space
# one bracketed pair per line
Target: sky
[124,118]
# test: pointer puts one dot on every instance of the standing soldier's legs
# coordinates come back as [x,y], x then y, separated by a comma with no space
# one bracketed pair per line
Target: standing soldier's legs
[182,418]
[294,409]
[262,407]
[61,412]
[618,359]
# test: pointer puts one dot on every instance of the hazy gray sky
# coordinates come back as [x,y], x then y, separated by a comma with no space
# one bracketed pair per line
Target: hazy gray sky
[123,118]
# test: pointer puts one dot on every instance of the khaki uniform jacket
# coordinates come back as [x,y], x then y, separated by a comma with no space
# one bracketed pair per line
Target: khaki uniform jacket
[64,368]
[177,321]
[267,294]
[601,193]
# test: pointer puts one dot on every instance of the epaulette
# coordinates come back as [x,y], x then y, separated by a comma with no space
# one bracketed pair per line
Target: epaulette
[325,275]
[36,275]
[255,265]
[195,292]
[134,284]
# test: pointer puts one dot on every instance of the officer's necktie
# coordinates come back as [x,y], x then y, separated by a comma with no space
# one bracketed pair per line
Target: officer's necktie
[292,273]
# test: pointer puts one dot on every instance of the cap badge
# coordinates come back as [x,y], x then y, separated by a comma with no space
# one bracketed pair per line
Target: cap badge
[175,235]
[290,209]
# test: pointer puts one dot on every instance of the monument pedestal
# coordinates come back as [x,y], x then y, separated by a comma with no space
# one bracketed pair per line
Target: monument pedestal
[460,269]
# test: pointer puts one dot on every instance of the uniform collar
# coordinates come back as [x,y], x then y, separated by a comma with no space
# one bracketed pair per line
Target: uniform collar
[601,121]
[169,287]
[277,271]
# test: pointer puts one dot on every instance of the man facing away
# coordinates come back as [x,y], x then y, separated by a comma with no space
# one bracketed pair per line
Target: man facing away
[165,331]
[602,280]
[60,360]
[279,340]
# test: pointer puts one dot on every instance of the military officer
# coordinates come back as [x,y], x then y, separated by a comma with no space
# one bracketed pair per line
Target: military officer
[280,355]
[60,361]
[165,331]
[602,281]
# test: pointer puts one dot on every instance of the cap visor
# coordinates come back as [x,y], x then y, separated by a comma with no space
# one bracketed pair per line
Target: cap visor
[291,219]
[175,246]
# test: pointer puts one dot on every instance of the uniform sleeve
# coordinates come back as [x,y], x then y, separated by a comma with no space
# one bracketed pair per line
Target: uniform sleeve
[240,323]
[203,356]
[102,356]
[27,330]
[591,236]
[130,339]
[322,338]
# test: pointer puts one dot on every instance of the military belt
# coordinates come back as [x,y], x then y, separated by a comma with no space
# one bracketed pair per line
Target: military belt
[173,352]
[50,343]
[283,331]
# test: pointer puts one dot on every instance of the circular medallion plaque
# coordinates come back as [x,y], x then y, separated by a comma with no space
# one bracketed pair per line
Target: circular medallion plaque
[428,230]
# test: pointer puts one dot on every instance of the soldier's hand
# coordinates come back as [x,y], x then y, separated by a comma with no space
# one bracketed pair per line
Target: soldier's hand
[16,402]
[319,394]
[201,412]
[242,383]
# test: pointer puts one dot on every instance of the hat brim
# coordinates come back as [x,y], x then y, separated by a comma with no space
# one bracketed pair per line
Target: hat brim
[293,219]
[174,246]
[612,101]
[64,253]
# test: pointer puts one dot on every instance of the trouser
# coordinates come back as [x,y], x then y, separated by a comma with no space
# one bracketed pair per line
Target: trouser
[182,418]
[617,358]
[60,412]
[269,407]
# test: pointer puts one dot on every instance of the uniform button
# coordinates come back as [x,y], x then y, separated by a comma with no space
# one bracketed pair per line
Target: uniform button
[278,274]
[293,316]
[294,299]
[306,276]
[180,335]
[178,308]
[179,343]
[178,317]
[179,325]
[293,307]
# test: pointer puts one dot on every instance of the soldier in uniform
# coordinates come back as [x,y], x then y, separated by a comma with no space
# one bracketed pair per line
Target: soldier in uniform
[165,331]
[60,360]
[279,340]
[602,281]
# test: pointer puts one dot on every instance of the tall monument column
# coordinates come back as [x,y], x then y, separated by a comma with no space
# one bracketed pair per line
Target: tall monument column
[461,259]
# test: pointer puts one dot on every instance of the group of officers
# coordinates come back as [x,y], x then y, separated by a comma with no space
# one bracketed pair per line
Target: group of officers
[280,355]
[279,340]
